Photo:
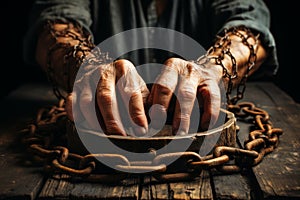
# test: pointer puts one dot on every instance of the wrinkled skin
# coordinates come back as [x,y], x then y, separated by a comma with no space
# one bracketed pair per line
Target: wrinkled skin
[190,81]
[185,78]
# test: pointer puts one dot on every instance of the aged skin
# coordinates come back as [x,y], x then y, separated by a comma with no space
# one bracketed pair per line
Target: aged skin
[202,85]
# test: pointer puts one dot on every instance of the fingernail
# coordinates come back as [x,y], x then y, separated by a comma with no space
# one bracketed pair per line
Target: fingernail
[140,131]
[181,133]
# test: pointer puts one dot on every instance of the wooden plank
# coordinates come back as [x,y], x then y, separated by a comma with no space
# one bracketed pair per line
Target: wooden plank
[231,186]
[152,189]
[271,94]
[18,180]
[200,188]
[61,188]
[244,186]
[130,189]
[278,175]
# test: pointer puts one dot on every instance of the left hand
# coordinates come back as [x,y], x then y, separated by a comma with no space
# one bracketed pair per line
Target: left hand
[191,81]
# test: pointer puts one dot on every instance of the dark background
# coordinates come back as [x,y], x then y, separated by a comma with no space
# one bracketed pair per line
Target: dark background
[14,15]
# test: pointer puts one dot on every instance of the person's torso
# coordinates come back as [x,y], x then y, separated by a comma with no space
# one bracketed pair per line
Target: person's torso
[113,17]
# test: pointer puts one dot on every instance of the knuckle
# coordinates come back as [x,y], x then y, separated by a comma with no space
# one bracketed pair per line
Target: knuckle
[204,91]
[187,94]
[105,97]
[172,61]
[123,65]
[86,99]
[183,117]
[137,117]
[175,63]
[163,90]
[113,128]
[211,93]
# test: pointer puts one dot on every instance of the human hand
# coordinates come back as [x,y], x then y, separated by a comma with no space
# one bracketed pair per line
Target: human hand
[110,80]
[190,81]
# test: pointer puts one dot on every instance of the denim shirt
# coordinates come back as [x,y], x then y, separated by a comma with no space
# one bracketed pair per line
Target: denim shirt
[201,20]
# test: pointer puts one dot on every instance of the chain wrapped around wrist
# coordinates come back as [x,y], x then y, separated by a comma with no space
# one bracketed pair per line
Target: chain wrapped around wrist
[222,46]
[74,55]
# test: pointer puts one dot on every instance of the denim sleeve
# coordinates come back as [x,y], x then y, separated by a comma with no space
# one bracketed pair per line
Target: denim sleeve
[42,10]
[255,15]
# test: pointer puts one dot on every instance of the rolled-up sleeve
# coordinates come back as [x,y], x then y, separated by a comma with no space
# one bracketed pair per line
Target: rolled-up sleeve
[251,13]
[63,10]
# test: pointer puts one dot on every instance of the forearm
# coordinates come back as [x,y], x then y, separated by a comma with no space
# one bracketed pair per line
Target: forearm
[60,50]
[240,53]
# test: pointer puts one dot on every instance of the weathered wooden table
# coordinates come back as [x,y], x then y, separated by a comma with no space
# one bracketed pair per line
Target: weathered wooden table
[276,177]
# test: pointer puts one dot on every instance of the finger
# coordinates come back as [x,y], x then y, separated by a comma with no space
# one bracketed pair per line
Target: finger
[133,90]
[107,102]
[162,91]
[209,94]
[87,105]
[138,110]
[187,90]
[137,114]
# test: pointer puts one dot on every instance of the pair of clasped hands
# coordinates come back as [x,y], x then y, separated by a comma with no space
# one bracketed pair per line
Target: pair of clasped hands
[190,80]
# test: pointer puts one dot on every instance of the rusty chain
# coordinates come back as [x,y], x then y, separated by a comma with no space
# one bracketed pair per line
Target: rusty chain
[45,139]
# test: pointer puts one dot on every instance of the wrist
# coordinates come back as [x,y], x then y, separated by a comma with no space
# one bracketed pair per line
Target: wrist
[208,62]
[60,51]
[235,52]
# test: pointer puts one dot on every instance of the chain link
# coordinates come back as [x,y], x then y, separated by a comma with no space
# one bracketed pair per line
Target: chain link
[222,46]
[45,140]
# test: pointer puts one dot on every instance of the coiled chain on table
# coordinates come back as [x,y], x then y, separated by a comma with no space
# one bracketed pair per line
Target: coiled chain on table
[45,139]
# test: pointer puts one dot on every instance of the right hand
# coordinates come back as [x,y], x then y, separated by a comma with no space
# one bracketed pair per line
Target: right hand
[117,77]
